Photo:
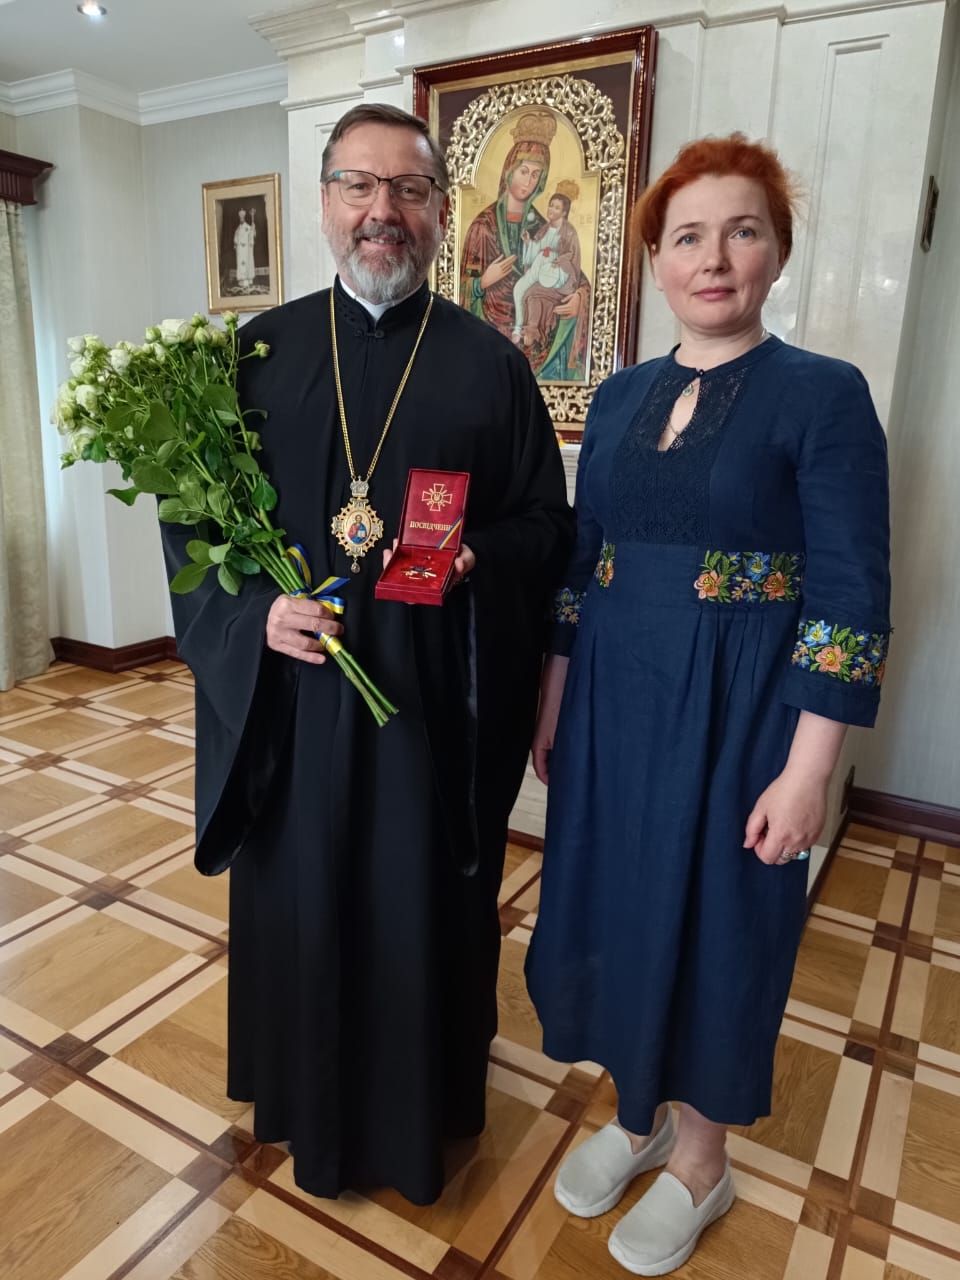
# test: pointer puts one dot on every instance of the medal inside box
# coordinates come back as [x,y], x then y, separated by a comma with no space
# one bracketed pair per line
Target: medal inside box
[421,569]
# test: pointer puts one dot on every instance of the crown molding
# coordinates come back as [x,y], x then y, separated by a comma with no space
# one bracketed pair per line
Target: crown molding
[219,93]
[334,24]
[155,106]
[70,89]
[309,28]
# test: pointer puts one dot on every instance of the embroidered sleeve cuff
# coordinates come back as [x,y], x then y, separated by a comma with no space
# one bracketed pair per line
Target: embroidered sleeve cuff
[836,671]
[565,619]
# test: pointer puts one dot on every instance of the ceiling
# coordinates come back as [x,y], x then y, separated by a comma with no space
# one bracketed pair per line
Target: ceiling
[140,44]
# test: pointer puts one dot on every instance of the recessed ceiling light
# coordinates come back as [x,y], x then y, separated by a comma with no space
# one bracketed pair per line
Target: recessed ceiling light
[90,9]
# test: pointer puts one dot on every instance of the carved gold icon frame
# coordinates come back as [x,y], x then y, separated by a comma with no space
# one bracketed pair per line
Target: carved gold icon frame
[547,148]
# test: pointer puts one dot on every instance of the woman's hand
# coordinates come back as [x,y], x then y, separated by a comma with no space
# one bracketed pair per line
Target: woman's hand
[292,624]
[788,816]
[497,270]
[551,694]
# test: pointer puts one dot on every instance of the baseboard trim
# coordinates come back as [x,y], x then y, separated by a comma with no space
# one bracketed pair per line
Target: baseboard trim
[82,654]
[524,839]
[911,817]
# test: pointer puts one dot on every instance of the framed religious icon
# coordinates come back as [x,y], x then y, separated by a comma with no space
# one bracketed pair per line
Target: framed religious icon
[547,149]
[243,239]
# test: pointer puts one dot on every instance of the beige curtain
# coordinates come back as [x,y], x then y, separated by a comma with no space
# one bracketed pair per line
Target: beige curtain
[24,634]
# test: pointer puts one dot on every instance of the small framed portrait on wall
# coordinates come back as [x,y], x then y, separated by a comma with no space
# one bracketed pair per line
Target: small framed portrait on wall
[243,239]
[547,149]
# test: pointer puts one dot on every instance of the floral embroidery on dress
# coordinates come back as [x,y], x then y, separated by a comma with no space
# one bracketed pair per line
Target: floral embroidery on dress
[855,657]
[567,605]
[750,577]
[604,570]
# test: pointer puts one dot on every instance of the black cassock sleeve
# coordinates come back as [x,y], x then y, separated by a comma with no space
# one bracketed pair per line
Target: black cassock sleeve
[520,549]
[244,696]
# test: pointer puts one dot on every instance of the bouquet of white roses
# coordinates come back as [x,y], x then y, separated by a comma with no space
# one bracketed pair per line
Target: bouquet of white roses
[167,412]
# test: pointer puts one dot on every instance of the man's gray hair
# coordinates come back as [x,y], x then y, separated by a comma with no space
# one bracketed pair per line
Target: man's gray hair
[382,113]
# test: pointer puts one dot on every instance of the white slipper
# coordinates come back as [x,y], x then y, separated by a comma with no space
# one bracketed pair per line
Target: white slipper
[593,1178]
[662,1229]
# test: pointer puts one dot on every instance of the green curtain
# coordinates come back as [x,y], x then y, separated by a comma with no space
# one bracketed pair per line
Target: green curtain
[24,632]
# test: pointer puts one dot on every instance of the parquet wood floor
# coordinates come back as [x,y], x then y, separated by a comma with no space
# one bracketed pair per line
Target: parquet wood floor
[120,1156]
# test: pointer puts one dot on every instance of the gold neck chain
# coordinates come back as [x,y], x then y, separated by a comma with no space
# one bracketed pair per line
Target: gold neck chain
[396,399]
[357,527]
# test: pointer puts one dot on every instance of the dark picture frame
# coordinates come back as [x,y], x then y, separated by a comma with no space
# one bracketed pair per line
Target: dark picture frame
[243,240]
[548,151]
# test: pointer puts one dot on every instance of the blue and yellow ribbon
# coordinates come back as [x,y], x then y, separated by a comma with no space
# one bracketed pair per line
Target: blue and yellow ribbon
[323,592]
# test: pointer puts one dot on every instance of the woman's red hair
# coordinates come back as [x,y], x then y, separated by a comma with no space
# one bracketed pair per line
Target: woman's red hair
[719,157]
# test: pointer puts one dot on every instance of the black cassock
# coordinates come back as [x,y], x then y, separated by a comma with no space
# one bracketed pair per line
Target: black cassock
[364,933]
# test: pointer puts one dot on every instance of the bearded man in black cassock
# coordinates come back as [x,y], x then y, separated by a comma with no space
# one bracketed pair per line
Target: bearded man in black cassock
[366,862]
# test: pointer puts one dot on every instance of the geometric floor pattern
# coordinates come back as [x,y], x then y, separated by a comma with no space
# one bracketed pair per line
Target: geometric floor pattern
[120,1156]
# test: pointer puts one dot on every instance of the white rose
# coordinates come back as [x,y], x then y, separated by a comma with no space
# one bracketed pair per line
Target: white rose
[93,343]
[198,321]
[76,345]
[175,331]
[120,359]
[78,367]
[201,336]
[153,334]
[62,416]
[87,397]
[80,438]
[159,351]
[230,318]
[217,337]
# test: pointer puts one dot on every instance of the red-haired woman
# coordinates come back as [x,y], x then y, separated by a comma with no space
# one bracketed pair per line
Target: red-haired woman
[724,618]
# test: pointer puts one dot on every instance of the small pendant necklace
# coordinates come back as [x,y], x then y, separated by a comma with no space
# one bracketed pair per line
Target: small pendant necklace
[357,526]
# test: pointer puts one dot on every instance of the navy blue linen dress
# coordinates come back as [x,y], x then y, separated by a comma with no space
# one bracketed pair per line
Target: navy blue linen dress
[717,589]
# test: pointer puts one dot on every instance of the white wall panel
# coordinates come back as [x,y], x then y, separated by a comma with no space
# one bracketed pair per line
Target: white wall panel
[853,103]
[915,750]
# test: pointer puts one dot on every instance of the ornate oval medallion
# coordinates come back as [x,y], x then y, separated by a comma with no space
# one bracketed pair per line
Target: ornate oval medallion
[357,528]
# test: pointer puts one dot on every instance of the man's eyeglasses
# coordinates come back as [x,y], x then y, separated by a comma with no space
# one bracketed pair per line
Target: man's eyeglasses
[408,190]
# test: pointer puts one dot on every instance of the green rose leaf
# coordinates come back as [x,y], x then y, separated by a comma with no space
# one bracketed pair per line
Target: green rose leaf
[129,496]
[189,578]
[213,457]
[219,553]
[228,580]
[218,500]
[193,492]
[98,451]
[242,563]
[152,478]
[118,419]
[265,535]
[264,494]
[160,425]
[199,551]
[249,466]
[218,396]
[172,511]
[167,451]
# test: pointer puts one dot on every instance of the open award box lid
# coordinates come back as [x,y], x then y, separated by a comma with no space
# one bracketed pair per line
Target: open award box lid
[434,507]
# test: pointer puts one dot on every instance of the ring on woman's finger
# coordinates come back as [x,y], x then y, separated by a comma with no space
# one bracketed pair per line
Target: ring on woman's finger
[800,855]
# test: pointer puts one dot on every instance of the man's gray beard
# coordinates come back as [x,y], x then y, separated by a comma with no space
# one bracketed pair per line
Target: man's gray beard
[390,283]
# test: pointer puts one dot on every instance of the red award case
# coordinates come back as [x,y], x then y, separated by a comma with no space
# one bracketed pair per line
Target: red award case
[421,569]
